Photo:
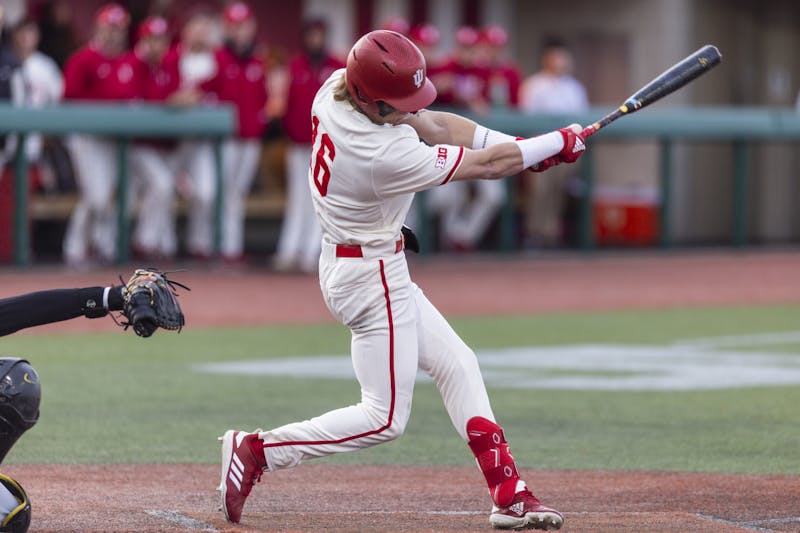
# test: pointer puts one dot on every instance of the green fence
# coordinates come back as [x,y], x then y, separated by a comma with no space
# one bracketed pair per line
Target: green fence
[122,123]
[740,126]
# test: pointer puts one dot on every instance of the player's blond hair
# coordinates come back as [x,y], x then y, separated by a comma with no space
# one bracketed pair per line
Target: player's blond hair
[341,94]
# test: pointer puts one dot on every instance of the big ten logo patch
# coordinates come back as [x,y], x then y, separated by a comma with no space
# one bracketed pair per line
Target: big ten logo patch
[441,157]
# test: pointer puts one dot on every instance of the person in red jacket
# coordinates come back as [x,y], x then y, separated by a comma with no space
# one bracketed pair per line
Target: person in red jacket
[504,79]
[155,80]
[299,242]
[94,73]
[240,79]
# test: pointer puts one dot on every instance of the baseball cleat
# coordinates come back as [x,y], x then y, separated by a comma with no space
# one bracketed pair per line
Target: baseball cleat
[240,471]
[526,512]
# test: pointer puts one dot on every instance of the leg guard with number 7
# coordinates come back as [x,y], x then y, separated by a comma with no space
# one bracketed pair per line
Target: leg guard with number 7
[488,444]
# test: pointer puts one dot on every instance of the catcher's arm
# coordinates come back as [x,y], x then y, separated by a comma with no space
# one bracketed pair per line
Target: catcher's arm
[150,302]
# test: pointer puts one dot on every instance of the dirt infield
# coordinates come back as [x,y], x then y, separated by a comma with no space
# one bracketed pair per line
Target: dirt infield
[318,497]
[342,498]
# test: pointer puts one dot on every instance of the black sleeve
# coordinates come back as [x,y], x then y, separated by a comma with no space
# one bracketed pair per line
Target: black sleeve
[44,307]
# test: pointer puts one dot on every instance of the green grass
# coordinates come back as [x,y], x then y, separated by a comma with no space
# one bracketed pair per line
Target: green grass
[115,398]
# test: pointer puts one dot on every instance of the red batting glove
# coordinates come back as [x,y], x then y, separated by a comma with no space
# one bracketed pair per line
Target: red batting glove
[574,146]
[541,166]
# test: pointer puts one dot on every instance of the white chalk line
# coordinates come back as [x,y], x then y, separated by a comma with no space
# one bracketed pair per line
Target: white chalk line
[752,525]
[691,364]
[182,520]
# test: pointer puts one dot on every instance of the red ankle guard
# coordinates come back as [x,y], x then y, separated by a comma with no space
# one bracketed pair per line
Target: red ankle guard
[488,444]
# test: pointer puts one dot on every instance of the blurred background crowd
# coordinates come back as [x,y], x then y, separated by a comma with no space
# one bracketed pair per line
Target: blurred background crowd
[267,59]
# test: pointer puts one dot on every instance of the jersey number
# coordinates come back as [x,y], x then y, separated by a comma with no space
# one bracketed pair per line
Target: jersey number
[319,166]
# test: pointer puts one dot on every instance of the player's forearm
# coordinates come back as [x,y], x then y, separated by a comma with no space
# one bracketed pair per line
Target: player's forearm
[508,158]
[45,307]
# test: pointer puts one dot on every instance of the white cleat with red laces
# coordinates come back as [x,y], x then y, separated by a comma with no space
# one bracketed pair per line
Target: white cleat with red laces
[526,512]
[241,469]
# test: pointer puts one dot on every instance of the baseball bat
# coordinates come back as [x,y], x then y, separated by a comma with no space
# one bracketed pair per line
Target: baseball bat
[668,82]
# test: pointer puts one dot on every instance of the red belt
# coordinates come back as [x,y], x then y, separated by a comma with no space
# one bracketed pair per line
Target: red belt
[354,250]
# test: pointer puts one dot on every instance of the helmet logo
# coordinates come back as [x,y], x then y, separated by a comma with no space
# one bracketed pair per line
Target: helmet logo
[419,76]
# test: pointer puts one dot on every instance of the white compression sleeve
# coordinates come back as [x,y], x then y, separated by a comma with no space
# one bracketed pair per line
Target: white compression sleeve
[539,148]
[484,137]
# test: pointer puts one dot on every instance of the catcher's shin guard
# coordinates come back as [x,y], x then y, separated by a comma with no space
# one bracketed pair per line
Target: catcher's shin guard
[488,444]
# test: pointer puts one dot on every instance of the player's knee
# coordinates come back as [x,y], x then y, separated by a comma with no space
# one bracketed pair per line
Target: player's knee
[391,420]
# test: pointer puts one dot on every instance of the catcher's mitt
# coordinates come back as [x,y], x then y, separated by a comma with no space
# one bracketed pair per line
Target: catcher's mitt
[150,302]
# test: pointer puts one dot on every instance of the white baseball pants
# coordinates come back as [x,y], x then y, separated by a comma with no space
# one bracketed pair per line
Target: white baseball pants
[465,220]
[94,219]
[155,229]
[395,331]
[300,233]
[195,158]
[240,161]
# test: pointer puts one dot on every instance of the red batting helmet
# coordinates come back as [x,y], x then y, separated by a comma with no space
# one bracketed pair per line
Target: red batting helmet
[385,66]
[112,15]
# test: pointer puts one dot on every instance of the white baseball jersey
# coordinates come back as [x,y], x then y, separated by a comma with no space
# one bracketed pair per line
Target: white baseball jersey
[378,168]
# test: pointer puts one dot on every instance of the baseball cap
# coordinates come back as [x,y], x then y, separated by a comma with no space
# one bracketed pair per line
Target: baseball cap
[467,36]
[396,24]
[425,34]
[153,27]
[112,15]
[494,36]
[237,13]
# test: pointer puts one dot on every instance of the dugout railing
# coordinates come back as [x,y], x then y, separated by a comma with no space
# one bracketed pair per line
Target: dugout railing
[740,126]
[121,123]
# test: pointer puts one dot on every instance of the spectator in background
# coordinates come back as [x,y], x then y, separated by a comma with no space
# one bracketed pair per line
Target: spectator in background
[299,242]
[240,79]
[43,81]
[396,24]
[504,79]
[466,209]
[11,89]
[194,55]
[551,90]
[95,73]
[155,80]
[462,80]
[58,36]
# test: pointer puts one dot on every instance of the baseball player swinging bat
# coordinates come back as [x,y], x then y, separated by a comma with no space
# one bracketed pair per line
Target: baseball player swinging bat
[668,82]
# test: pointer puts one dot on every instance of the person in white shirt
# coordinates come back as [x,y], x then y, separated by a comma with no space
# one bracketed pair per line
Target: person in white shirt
[41,75]
[551,90]
[375,145]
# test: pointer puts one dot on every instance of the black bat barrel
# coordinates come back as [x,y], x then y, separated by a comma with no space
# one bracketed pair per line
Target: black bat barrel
[674,78]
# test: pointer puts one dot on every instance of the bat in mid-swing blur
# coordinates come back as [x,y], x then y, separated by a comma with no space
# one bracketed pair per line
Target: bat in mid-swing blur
[669,81]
